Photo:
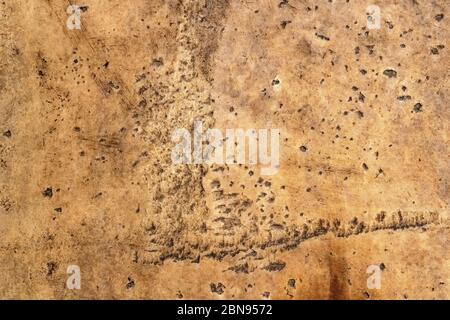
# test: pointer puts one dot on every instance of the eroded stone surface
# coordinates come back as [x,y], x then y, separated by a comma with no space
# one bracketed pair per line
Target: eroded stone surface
[86,176]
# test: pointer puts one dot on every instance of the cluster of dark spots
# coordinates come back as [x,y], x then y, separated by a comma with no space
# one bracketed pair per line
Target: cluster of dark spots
[15,50]
[275,82]
[143,103]
[84,8]
[215,184]
[265,93]
[5,203]
[309,8]
[42,65]
[265,294]
[391,73]
[380,216]
[439,17]
[110,87]
[48,192]
[285,23]
[404,98]
[390,24]
[130,283]
[240,268]
[322,37]
[142,90]
[435,50]
[275,266]
[291,283]
[417,107]
[361,97]
[157,62]
[217,288]
[51,268]
[7,133]
[380,172]
[371,48]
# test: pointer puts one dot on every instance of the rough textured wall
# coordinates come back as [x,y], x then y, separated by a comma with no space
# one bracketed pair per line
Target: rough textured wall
[86,176]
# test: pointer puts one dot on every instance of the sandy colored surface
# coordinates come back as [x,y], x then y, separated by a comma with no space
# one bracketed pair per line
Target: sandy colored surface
[86,178]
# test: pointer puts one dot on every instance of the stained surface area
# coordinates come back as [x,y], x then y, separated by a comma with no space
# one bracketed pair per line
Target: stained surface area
[86,176]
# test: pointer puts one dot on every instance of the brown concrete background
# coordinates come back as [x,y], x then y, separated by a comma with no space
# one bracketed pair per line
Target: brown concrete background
[88,114]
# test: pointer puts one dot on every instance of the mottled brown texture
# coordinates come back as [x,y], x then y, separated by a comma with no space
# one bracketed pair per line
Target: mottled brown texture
[86,178]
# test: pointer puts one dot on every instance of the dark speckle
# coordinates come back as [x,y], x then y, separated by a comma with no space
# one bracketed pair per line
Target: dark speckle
[404,98]
[48,192]
[284,24]
[303,149]
[291,283]
[417,107]
[361,97]
[439,17]
[360,114]
[130,283]
[323,37]
[275,266]
[217,288]
[157,62]
[390,73]
[51,268]
[7,133]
